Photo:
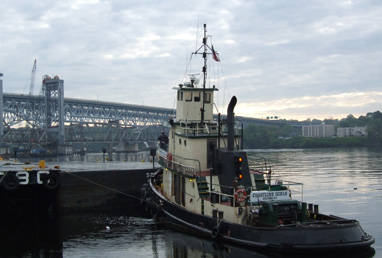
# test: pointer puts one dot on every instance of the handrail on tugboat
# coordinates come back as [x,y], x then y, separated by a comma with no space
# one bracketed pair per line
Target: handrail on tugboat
[180,167]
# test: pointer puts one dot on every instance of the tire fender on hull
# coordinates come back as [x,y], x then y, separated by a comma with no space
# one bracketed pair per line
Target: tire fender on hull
[52,181]
[215,232]
[10,182]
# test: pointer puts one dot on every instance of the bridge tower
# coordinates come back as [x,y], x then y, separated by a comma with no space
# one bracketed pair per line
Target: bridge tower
[53,89]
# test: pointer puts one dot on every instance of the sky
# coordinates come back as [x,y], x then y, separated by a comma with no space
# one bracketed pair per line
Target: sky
[294,59]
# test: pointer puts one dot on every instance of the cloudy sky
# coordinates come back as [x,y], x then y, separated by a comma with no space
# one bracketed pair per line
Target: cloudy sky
[294,59]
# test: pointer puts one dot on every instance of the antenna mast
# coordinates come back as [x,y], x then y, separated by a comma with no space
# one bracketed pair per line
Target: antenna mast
[204,71]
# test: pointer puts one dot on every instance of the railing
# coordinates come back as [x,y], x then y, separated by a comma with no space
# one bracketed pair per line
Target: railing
[195,128]
[260,164]
[294,187]
[230,197]
[178,164]
[293,190]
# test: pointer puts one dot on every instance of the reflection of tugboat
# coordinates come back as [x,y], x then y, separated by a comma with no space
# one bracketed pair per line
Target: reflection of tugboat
[189,246]
[206,187]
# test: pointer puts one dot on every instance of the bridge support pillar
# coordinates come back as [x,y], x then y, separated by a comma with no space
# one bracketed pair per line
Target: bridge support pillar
[54,103]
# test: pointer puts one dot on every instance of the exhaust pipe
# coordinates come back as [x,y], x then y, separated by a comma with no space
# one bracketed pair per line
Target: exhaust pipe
[231,123]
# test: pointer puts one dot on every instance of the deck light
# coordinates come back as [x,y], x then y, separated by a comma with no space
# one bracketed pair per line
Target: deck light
[238,167]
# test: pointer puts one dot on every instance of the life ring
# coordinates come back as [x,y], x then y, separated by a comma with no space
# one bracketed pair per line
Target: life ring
[169,156]
[215,232]
[52,181]
[10,182]
[169,159]
[240,195]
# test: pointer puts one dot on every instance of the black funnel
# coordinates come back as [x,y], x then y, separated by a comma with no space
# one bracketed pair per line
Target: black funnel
[231,123]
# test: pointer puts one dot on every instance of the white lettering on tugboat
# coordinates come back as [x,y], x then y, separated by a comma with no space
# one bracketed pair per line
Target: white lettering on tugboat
[260,196]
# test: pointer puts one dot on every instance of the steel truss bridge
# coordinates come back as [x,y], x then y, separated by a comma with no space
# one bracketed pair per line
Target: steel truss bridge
[51,119]
[85,121]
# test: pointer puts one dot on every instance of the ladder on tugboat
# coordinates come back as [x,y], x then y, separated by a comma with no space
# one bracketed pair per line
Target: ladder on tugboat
[202,187]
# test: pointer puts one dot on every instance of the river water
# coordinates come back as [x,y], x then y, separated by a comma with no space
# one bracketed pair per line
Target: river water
[346,182]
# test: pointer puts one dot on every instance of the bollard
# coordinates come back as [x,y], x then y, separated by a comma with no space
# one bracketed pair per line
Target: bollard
[316,209]
[221,215]
[215,213]
[310,207]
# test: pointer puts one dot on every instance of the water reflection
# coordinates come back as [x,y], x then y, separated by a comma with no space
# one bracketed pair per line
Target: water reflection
[111,236]
[117,235]
[25,237]
[186,246]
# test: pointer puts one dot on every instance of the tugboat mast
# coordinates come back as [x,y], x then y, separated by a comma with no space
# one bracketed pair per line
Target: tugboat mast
[204,71]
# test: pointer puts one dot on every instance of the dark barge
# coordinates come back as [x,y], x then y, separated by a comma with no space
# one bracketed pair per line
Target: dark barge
[34,189]
[27,189]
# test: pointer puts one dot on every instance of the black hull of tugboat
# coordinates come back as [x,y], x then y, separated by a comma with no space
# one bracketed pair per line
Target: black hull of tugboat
[346,237]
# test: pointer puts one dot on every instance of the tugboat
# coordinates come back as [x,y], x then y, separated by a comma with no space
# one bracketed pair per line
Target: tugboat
[206,187]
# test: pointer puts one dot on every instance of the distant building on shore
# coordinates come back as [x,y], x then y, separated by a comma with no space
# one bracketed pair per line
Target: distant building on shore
[351,131]
[321,130]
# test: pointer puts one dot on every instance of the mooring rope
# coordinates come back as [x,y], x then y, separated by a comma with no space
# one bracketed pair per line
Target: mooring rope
[103,186]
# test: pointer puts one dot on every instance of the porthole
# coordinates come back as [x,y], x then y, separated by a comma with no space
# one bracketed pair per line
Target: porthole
[185,143]
[180,141]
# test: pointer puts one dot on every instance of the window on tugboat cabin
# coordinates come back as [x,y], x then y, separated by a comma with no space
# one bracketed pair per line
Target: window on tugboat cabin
[188,96]
[197,96]
[180,95]
[207,98]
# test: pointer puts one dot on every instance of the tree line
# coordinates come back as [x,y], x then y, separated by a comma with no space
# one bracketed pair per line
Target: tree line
[262,137]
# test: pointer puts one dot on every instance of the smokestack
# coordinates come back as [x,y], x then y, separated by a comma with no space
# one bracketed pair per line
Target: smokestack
[231,123]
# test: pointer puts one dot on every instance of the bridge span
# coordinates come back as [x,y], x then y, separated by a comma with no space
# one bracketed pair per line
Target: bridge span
[51,119]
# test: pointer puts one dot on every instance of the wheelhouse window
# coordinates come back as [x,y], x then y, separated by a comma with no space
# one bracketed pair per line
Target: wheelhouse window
[188,96]
[207,98]
[180,95]
[196,96]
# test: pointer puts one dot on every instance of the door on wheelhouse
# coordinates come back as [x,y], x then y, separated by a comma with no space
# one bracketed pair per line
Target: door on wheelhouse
[179,189]
[211,145]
